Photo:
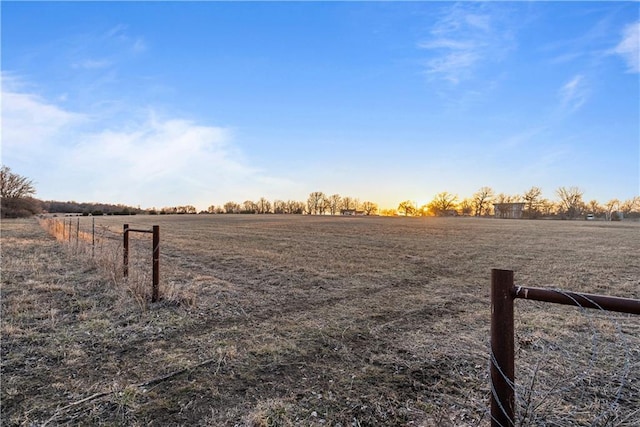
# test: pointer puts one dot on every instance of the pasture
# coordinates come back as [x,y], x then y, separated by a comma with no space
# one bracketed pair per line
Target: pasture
[271,320]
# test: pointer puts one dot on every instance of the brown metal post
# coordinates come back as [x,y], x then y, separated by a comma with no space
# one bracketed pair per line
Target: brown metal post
[69,230]
[502,349]
[77,232]
[125,251]
[93,236]
[156,263]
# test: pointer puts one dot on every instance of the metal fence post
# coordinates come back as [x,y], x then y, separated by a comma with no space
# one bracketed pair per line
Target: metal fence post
[156,263]
[125,251]
[502,349]
[93,236]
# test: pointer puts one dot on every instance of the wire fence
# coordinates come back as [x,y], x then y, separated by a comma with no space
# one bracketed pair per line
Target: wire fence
[563,380]
[575,366]
[105,245]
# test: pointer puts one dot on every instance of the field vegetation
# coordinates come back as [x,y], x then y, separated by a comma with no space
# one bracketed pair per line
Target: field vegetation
[283,320]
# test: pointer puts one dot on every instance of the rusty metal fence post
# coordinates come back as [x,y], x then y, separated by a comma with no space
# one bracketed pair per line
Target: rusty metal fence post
[125,250]
[503,294]
[93,237]
[156,263]
[502,349]
[155,257]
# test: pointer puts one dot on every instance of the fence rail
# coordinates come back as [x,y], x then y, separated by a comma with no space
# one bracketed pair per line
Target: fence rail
[503,294]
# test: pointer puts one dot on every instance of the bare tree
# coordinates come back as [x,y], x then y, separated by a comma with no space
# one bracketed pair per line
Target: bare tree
[612,206]
[466,207]
[15,186]
[231,207]
[263,206]
[349,203]
[279,207]
[630,205]
[594,207]
[16,193]
[531,198]
[369,208]
[334,201]
[571,201]
[546,207]
[315,203]
[442,203]
[482,200]
[249,207]
[295,207]
[407,208]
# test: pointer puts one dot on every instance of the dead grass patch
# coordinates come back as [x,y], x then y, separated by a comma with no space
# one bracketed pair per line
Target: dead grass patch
[281,320]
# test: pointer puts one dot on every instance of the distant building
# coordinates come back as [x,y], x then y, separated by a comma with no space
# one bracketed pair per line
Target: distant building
[351,212]
[508,210]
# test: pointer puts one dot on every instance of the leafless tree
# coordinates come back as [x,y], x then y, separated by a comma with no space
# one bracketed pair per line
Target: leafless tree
[612,206]
[13,185]
[571,201]
[482,200]
[295,207]
[531,198]
[16,192]
[442,203]
[466,207]
[407,208]
[630,205]
[333,202]
[279,207]
[594,207]
[231,207]
[369,208]
[263,206]
[349,203]
[249,206]
[316,203]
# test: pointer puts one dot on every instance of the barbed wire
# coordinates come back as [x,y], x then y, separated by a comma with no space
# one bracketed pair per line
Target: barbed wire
[532,391]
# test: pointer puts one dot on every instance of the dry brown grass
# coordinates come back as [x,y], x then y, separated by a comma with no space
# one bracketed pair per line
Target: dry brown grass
[290,320]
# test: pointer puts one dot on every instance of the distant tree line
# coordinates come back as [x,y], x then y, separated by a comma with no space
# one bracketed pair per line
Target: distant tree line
[55,207]
[485,202]
[18,201]
[318,203]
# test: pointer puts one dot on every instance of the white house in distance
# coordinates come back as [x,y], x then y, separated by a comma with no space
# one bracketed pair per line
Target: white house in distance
[508,210]
[351,212]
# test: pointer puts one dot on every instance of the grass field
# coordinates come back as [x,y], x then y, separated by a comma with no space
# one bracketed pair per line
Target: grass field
[299,320]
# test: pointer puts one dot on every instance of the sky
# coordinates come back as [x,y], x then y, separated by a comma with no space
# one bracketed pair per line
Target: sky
[200,103]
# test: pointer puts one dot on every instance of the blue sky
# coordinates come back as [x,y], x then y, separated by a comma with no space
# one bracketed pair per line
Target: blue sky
[162,104]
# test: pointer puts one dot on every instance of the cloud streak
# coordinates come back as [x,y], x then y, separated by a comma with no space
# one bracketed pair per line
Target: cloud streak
[629,47]
[462,40]
[574,93]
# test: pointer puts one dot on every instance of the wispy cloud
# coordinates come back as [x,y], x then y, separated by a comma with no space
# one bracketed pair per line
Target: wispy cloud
[30,123]
[122,37]
[150,160]
[462,39]
[92,64]
[574,93]
[629,47]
